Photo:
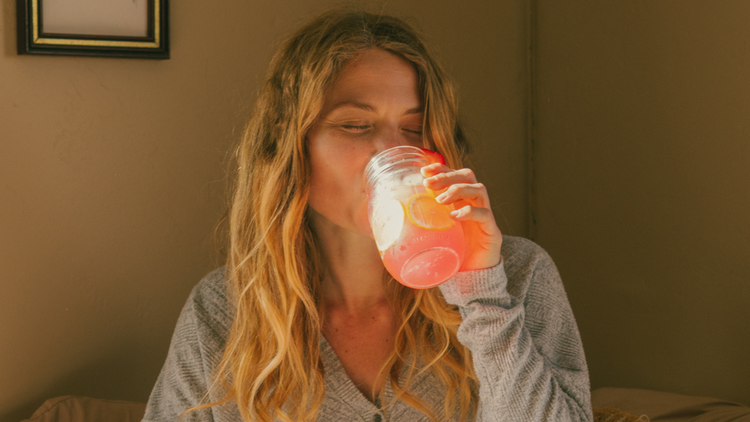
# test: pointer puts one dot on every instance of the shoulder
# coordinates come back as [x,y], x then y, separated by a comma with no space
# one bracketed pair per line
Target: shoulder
[195,351]
[531,272]
[519,251]
[211,293]
[533,276]
[522,258]
[209,311]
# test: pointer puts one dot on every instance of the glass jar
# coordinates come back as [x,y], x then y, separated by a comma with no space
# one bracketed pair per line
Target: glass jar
[420,244]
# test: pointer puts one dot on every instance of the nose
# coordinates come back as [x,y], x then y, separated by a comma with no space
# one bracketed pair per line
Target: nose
[390,137]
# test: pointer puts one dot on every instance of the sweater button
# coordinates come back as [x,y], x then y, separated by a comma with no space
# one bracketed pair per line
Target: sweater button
[376,418]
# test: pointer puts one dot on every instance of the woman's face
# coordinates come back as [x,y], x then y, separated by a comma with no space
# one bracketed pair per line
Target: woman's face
[373,105]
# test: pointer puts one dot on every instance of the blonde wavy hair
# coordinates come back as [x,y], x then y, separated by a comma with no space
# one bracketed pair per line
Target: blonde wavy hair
[271,366]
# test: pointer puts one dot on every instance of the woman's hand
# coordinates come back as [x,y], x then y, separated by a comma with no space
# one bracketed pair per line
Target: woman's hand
[460,188]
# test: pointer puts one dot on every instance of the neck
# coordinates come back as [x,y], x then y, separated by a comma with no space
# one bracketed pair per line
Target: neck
[354,281]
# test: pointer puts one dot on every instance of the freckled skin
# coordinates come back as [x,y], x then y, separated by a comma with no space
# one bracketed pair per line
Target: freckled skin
[372,106]
[344,139]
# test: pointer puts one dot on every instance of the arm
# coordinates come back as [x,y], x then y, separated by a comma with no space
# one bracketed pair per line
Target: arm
[516,318]
[527,351]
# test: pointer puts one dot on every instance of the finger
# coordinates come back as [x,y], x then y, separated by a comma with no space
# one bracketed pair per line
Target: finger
[445,179]
[483,216]
[473,193]
[433,169]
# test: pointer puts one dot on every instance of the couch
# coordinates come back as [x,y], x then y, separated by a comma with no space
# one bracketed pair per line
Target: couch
[610,405]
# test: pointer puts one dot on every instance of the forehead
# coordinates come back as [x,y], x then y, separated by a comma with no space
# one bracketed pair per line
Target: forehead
[377,61]
[376,75]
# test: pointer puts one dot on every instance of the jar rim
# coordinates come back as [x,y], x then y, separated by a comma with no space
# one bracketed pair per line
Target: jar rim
[391,157]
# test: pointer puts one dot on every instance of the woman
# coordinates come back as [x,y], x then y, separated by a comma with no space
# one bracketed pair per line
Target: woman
[304,322]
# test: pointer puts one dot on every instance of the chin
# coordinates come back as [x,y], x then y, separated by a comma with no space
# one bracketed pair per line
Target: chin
[364,229]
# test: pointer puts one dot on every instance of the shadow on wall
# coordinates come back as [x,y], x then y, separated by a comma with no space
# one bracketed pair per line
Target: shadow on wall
[105,376]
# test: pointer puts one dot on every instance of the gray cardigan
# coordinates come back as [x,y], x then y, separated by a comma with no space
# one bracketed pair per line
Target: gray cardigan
[517,322]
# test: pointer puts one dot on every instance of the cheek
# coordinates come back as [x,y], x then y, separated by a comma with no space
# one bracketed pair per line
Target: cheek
[328,169]
[337,184]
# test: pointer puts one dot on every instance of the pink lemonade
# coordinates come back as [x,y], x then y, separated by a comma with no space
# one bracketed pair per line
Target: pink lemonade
[425,258]
[423,245]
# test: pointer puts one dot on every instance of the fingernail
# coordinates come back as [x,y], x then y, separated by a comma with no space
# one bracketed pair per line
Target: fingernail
[440,198]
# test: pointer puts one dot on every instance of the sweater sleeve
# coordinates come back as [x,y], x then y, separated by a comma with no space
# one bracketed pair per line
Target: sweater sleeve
[195,350]
[524,340]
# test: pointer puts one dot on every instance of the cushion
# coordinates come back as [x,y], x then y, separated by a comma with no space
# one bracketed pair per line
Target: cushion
[86,409]
[670,407]
[613,414]
[610,405]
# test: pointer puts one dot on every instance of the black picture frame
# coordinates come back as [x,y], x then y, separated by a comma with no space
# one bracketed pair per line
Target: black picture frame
[33,39]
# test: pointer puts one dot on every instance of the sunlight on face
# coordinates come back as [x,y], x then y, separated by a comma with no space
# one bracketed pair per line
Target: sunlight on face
[372,106]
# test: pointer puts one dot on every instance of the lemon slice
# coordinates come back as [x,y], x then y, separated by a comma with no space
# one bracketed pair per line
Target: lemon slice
[387,222]
[426,213]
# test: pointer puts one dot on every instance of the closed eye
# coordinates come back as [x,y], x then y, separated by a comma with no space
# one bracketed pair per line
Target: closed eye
[355,127]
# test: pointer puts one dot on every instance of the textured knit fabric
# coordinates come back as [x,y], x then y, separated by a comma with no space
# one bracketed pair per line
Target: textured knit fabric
[517,322]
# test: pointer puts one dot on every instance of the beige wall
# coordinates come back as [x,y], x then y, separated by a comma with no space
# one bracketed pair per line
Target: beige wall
[111,179]
[642,163]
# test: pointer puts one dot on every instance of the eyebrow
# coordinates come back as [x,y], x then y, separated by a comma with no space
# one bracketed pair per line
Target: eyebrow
[368,107]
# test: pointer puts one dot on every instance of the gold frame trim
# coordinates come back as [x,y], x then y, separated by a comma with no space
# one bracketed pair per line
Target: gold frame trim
[96,43]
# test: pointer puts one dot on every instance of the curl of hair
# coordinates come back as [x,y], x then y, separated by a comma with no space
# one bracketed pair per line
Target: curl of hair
[271,365]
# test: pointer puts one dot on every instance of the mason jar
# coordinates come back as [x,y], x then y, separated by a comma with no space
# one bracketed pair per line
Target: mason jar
[420,244]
